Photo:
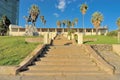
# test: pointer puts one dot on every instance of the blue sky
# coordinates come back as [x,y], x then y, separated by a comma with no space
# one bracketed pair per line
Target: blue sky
[54,10]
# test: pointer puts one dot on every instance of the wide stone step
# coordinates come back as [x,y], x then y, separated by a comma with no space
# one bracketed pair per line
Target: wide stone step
[64,68]
[63,73]
[67,49]
[67,52]
[66,55]
[65,59]
[63,46]
[64,63]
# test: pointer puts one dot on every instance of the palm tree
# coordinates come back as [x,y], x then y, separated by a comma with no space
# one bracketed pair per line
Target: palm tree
[83,9]
[58,23]
[64,23]
[42,18]
[44,22]
[68,24]
[34,12]
[96,20]
[118,23]
[73,24]
[76,21]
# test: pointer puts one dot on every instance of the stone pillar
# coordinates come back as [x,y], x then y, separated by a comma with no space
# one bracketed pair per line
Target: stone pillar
[40,31]
[10,29]
[92,32]
[99,32]
[72,36]
[53,35]
[69,37]
[78,30]
[48,30]
[49,35]
[55,30]
[63,30]
[46,38]
[85,32]
[18,30]
[80,38]
[106,32]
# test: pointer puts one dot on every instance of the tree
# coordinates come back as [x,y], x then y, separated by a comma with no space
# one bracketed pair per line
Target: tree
[64,23]
[34,12]
[96,20]
[58,24]
[44,22]
[42,18]
[83,9]
[4,25]
[76,21]
[73,24]
[118,23]
[68,24]
[1,27]
[6,22]
[68,27]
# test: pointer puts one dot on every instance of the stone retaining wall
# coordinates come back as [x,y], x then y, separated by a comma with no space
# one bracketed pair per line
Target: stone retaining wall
[116,48]
[100,62]
[102,47]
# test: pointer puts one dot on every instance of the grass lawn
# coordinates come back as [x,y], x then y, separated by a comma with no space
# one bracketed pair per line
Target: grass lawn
[101,40]
[14,49]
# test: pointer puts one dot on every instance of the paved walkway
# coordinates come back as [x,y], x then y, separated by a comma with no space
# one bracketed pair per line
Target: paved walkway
[107,77]
[60,40]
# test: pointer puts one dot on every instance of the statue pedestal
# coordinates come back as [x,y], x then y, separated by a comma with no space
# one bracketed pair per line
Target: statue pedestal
[31,30]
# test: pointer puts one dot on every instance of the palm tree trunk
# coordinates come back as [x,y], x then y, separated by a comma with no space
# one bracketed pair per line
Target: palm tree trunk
[97,30]
[83,23]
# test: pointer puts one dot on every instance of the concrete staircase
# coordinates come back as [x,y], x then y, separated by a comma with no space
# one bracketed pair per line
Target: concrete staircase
[63,61]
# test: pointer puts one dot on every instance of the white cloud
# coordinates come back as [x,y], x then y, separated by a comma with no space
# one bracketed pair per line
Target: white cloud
[61,5]
[56,14]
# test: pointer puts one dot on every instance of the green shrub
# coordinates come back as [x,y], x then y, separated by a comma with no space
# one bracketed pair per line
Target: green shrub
[112,33]
[76,37]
